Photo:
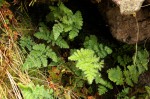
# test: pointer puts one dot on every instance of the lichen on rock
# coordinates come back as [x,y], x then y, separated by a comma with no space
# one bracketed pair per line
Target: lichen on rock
[128,7]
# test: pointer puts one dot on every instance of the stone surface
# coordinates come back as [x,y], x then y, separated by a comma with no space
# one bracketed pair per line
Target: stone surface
[128,7]
[124,27]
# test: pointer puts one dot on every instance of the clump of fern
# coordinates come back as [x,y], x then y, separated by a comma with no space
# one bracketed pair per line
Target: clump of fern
[130,73]
[87,62]
[32,91]
[129,70]
[91,62]
[65,22]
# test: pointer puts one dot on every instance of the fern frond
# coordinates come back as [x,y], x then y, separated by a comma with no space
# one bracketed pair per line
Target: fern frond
[123,94]
[51,54]
[37,58]
[123,61]
[57,30]
[147,88]
[142,60]
[134,74]
[78,20]
[128,79]
[67,22]
[26,42]
[31,91]
[67,28]
[90,42]
[43,33]
[104,51]
[100,49]
[73,33]
[87,62]
[61,43]
[102,90]
[64,9]
[116,75]
[103,82]
[54,15]
[81,54]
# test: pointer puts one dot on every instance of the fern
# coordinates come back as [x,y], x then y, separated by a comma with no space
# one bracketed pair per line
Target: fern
[103,82]
[124,94]
[134,74]
[131,72]
[87,62]
[43,33]
[78,21]
[31,91]
[73,33]
[103,85]
[66,21]
[147,88]
[92,43]
[116,75]
[125,60]
[128,77]
[46,35]
[102,90]
[26,43]
[142,60]
[57,29]
[61,43]
[38,57]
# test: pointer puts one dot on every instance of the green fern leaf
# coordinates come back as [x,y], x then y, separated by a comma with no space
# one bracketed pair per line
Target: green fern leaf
[67,28]
[31,91]
[57,30]
[73,33]
[44,60]
[26,42]
[34,58]
[39,47]
[104,51]
[102,90]
[148,90]
[103,82]
[142,60]
[50,16]
[61,43]
[123,61]
[56,14]
[38,57]
[65,10]
[123,94]
[128,79]
[134,74]
[81,54]
[116,75]
[43,33]
[87,62]
[92,43]
[67,20]
[51,54]
[78,20]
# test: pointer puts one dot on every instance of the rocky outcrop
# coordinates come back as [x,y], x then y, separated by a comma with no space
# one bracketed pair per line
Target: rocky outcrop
[123,24]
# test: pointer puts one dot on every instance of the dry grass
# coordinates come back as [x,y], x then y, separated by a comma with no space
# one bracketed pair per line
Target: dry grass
[10,62]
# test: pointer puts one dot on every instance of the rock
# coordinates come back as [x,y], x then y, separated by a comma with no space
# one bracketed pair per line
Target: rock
[124,27]
[128,7]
